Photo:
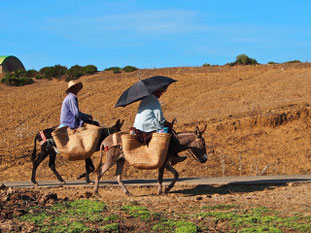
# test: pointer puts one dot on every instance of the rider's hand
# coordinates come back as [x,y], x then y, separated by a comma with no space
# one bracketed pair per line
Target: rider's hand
[168,124]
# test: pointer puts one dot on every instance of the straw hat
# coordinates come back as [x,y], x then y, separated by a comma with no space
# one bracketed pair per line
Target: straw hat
[72,84]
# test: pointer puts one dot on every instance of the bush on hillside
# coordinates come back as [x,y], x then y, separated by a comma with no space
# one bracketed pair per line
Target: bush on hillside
[90,69]
[129,68]
[51,72]
[17,78]
[206,65]
[293,61]
[31,73]
[114,69]
[272,62]
[231,64]
[74,73]
[243,59]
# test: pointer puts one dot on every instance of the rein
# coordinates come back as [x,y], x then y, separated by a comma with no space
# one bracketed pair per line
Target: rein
[192,154]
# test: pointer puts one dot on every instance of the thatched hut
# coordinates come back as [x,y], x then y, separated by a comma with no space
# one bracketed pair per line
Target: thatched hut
[10,64]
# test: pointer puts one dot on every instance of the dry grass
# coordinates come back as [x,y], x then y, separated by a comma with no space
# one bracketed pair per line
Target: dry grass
[257,117]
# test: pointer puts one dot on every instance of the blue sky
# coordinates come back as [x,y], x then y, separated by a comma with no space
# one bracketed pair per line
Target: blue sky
[154,34]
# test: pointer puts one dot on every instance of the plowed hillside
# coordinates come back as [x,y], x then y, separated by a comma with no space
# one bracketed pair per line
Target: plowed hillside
[258,118]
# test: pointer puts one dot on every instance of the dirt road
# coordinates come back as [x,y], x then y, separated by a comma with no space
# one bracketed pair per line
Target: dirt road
[230,180]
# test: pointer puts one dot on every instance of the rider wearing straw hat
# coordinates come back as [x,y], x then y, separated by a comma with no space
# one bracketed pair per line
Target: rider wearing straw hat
[70,115]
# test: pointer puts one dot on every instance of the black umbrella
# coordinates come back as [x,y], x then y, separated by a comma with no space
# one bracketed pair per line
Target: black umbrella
[143,88]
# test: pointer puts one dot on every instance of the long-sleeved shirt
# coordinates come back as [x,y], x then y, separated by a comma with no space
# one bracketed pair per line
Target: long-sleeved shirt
[70,114]
[149,116]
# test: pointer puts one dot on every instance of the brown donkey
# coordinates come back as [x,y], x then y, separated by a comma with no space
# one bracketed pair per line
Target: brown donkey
[193,142]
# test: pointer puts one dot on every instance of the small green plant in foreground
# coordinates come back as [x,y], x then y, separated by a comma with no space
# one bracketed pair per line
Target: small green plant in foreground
[67,216]
[259,220]
[178,226]
[113,227]
[140,212]
[94,216]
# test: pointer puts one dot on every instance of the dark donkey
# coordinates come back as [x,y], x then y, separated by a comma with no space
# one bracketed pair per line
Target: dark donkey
[193,142]
[47,148]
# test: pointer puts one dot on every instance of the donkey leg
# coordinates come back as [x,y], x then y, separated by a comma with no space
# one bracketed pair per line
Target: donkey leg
[35,163]
[160,180]
[120,165]
[52,166]
[100,172]
[89,167]
[175,173]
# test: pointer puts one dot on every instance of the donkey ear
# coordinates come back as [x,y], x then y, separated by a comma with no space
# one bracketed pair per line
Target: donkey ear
[197,131]
[119,123]
[203,130]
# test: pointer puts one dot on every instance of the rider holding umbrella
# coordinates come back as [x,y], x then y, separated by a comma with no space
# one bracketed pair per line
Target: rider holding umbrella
[150,119]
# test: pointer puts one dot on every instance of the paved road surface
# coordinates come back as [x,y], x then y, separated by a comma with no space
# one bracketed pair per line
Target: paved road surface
[246,180]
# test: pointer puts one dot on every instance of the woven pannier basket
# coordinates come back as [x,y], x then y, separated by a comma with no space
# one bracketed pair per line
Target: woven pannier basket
[149,156]
[77,144]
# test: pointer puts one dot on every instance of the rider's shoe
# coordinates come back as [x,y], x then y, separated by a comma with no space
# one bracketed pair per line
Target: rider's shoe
[177,159]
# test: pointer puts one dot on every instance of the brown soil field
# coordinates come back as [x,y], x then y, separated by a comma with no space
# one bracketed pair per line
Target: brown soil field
[257,118]
[257,121]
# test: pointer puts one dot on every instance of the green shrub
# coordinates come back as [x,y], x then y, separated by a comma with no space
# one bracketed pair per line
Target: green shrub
[114,69]
[271,62]
[16,79]
[90,69]
[74,73]
[231,64]
[20,73]
[50,72]
[293,61]
[206,65]
[113,227]
[129,68]
[31,73]
[46,72]
[38,76]
[243,59]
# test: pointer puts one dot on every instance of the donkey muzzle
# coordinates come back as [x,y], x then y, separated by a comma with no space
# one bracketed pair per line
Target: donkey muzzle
[203,159]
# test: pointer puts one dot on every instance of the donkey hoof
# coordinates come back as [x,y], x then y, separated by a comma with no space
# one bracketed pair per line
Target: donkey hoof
[96,194]
[35,184]
[63,182]
[128,194]
[166,190]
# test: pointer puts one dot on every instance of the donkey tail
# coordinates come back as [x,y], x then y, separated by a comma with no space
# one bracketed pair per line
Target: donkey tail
[100,160]
[34,153]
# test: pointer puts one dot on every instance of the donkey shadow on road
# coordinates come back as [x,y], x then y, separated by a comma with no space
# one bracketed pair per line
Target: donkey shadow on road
[238,187]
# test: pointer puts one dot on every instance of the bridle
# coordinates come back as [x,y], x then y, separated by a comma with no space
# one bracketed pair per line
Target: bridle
[191,153]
